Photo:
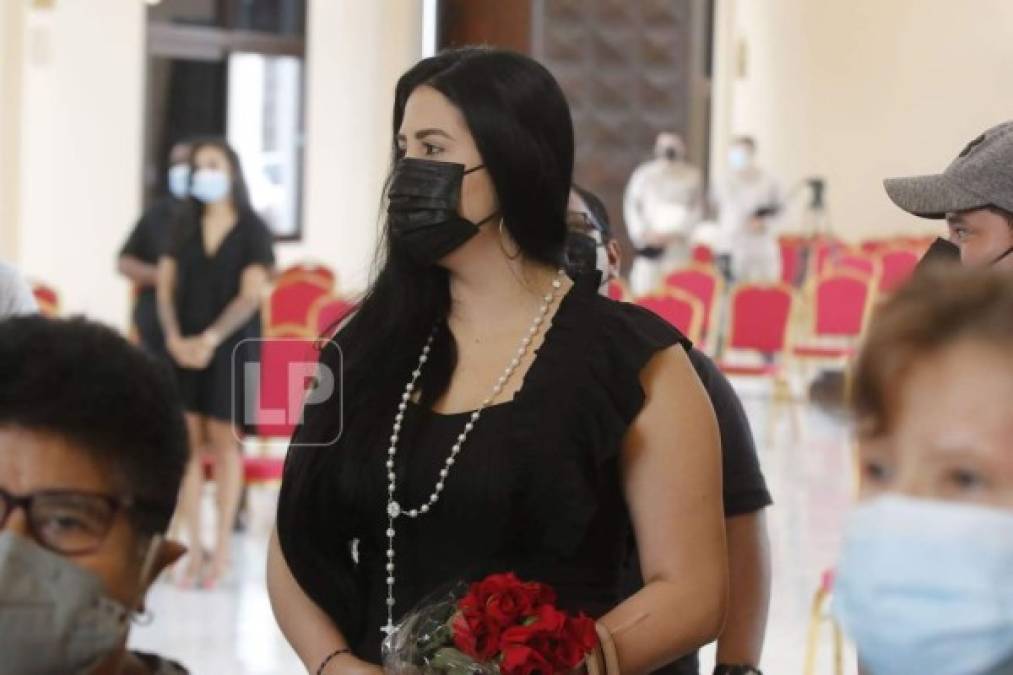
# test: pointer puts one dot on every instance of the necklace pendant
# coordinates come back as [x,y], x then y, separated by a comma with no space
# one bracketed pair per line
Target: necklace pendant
[393,510]
[388,629]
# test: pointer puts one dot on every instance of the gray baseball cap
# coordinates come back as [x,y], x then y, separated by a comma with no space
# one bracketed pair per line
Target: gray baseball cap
[982,175]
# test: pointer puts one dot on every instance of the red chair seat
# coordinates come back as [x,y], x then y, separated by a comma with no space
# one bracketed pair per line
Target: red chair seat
[751,370]
[262,469]
[817,351]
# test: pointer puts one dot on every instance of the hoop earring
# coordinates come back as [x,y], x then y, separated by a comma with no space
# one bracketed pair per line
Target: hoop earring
[516,255]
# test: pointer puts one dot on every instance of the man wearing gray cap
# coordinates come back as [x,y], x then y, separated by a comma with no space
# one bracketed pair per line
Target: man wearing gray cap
[974,194]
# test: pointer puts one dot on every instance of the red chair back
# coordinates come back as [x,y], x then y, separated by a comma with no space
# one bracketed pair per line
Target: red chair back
[703,255]
[897,266]
[760,314]
[320,271]
[703,284]
[618,291]
[283,383]
[858,262]
[791,259]
[677,307]
[287,309]
[842,303]
[327,312]
[822,252]
[46,298]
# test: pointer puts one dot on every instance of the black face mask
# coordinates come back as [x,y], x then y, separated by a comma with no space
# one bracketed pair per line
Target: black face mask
[423,199]
[581,253]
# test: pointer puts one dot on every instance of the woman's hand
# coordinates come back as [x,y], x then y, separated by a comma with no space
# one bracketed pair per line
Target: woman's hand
[189,352]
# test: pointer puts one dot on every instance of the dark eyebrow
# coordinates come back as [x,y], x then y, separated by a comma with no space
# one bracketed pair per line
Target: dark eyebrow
[425,133]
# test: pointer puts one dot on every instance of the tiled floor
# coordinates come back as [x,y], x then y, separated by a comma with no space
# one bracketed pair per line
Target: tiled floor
[231,631]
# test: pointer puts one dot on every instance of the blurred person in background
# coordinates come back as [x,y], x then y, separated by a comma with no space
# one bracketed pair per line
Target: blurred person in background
[15,293]
[138,259]
[748,200]
[92,451]
[925,579]
[661,206]
[211,280]
[592,248]
[975,196]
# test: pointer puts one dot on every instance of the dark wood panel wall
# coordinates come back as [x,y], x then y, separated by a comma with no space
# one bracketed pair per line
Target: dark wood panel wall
[630,69]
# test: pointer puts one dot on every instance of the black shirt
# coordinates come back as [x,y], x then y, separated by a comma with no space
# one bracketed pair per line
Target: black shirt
[745,490]
[205,286]
[536,489]
[147,242]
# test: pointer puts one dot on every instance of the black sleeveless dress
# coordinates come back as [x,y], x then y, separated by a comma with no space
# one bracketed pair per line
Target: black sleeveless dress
[536,489]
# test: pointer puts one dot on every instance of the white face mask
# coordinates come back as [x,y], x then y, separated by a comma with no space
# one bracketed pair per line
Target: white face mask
[927,587]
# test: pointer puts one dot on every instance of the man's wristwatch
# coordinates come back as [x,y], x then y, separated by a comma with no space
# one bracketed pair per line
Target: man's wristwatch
[724,669]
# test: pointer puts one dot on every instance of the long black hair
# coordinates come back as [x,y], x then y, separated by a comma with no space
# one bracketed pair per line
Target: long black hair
[190,213]
[522,128]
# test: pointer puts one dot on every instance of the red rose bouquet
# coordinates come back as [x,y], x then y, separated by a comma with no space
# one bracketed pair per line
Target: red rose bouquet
[498,625]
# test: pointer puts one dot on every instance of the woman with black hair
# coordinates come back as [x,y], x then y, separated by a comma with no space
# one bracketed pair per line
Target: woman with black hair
[449,466]
[210,285]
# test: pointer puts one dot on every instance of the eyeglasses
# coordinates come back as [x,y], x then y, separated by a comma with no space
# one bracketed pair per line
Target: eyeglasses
[65,521]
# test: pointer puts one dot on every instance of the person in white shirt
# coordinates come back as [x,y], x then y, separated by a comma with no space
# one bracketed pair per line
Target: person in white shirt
[15,293]
[661,207]
[748,201]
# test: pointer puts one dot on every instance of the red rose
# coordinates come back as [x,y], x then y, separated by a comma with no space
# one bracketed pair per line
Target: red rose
[476,636]
[508,606]
[580,630]
[523,660]
[548,623]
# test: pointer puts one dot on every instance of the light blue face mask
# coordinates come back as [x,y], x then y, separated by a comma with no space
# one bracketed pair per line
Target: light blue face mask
[927,587]
[179,180]
[210,185]
[738,158]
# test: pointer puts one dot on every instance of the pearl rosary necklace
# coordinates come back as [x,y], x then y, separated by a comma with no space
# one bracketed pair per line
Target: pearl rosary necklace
[394,510]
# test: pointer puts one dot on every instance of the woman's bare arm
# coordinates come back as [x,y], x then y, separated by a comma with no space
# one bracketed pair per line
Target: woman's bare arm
[672,480]
[307,628]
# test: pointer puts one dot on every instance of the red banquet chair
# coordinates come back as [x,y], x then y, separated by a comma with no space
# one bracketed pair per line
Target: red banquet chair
[842,303]
[326,313]
[791,259]
[318,270]
[618,290]
[286,311]
[677,307]
[897,264]
[47,298]
[759,319]
[703,283]
[857,261]
[703,255]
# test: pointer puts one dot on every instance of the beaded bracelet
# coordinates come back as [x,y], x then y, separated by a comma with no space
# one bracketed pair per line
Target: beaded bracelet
[336,653]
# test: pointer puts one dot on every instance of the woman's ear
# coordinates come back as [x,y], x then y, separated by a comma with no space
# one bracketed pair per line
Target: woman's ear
[168,552]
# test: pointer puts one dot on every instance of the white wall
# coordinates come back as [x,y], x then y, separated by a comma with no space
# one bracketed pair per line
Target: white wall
[72,85]
[356,52]
[11,56]
[858,90]
[80,103]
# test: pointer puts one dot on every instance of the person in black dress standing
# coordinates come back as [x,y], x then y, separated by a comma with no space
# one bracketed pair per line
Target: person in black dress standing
[138,259]
[448,466]
[210,284]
